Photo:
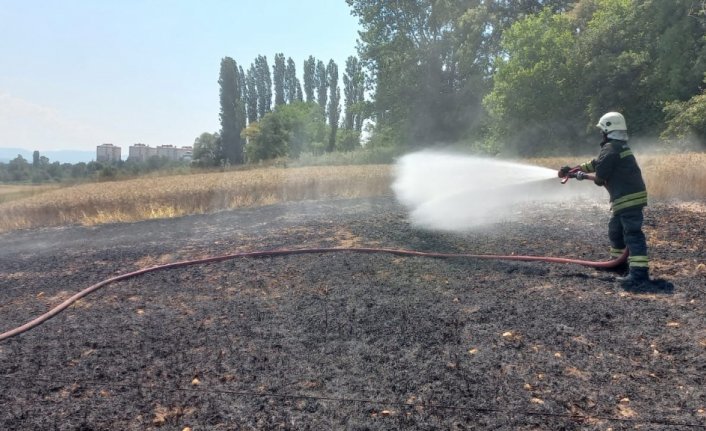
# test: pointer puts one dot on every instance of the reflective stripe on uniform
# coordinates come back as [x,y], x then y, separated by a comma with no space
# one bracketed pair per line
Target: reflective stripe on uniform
[625,153]
[627,201]
[616,252]
[638,261]
[587,167]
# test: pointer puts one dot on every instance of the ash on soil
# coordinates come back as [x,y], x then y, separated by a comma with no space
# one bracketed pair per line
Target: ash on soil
[352,341]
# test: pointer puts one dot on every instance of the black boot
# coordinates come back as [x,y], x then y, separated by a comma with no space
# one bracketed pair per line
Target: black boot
[620,270]
[636,277]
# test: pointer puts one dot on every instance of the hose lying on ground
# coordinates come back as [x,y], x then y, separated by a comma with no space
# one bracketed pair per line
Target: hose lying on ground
[255,254]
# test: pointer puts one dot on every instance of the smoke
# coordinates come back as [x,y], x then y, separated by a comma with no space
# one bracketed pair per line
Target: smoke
[455,192]
[658,146]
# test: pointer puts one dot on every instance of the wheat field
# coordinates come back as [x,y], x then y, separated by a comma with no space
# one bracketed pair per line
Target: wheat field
[13,192]
[679,176]
[174,196]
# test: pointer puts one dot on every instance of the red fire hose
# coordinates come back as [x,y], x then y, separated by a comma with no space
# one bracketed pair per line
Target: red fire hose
[255,254]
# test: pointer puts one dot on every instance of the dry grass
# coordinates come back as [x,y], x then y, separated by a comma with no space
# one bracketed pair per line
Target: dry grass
[674,176]
[13,192]
[680,176]
[174,196]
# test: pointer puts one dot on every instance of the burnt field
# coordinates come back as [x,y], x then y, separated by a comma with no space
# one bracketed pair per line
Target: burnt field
[353,341]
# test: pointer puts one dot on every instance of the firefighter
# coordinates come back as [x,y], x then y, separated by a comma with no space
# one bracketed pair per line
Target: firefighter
[617,170]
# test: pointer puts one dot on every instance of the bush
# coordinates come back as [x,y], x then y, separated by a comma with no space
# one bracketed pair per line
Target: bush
[347,140]
[108,173]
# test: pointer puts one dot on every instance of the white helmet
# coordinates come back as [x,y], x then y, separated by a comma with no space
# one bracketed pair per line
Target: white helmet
[612,121]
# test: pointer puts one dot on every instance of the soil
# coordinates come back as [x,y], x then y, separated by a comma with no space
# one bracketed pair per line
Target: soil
[353,341]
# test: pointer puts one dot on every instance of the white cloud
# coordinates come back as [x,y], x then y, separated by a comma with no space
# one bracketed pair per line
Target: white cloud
[28,125]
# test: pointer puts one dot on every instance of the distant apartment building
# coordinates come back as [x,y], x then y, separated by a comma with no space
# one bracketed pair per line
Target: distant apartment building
[107,153]
[142,152]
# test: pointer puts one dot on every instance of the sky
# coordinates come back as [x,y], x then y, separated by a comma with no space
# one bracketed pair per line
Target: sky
[78,73]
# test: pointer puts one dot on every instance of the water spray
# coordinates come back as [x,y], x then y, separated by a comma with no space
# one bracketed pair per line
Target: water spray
[451,192]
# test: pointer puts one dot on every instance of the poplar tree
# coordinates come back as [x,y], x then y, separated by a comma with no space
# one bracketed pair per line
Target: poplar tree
[321,80]
[309,78]
[290,82]
[251,98]
[264,86]
[353,91]
[298,95]
[278,77]
[232,114]
[243,84]
[334,109]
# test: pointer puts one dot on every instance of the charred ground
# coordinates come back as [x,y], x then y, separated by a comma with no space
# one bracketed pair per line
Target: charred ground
[352,341]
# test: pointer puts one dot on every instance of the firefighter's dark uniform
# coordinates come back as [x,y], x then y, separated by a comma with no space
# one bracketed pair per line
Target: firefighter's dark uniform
[616,168]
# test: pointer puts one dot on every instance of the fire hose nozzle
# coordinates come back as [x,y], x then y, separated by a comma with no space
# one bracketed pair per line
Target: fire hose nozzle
[574,173]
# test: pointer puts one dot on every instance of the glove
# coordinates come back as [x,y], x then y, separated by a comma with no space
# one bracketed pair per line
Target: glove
[564,171]
[580,175]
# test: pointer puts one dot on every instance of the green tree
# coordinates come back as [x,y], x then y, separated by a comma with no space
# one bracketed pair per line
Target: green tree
[603,55]
[271,140]
[614,59]
[676,41]
[423,89]
[78,170]
[243,83]
[533,101]
[207,149]
[306,127]
[290,82]
[298,95]
[93,168]
[431,62]
[686,121]
[321,79]
[309,78]
[635,56]
[35,159]
[487,21]
[287,131]
[353,92]
[251,98]
[348,140]
[19,169]
[264,86]
[55,171]
[334,108]
[279,71]
[232,114]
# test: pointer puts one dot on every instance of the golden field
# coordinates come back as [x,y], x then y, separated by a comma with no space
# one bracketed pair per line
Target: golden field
[679,176]
[174,196]
[12,192]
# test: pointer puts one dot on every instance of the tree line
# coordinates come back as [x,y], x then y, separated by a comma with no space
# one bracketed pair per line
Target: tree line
[305,116]
[41,170]
[495,76]
[532,77]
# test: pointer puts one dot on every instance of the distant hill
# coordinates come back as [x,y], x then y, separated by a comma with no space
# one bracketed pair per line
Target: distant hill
[61,156]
